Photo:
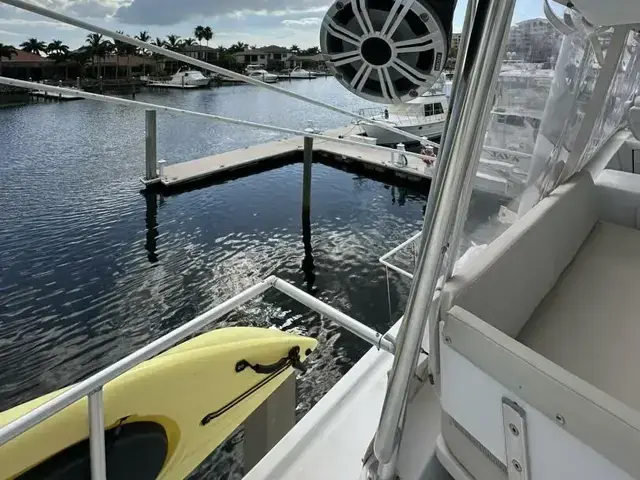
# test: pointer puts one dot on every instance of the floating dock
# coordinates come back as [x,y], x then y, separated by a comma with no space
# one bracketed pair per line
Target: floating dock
[179,175]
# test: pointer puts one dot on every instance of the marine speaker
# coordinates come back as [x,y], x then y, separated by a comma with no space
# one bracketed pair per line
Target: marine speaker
[387,51]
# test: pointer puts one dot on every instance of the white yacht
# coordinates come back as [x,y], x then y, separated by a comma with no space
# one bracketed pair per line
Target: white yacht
[424,116]
[298,73]
[515,359]
[257,72]
[185,79]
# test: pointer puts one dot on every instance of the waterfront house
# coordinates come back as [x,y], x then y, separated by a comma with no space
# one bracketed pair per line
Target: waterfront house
[201,52]
[25,65]
[271,57]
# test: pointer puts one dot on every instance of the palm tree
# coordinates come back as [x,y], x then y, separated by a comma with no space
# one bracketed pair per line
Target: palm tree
[188,42]
[33,45]
[6,51]
[59,52]
[198,32]
[294,48]
[57,47]
[99,48]
[81,57]
[107,48]
[158,42]
[143,36]
[207,34]
[122,49]
[94,43]
[172,43]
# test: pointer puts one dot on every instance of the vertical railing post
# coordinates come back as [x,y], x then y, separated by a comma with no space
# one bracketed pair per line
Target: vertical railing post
[151,157]
[306,175]
[459,157]
[96,436]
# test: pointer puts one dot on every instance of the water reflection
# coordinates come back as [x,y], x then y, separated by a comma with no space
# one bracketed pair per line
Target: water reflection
[307,262]
[401,197]
[151,223]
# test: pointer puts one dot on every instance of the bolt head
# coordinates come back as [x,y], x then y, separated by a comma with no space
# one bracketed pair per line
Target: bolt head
[560,419]
[424,17]
[413,93]
[339,5]
[516,465]
[514,430]
[447,340]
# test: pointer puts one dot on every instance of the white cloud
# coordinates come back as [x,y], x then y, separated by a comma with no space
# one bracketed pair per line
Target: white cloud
[23,22]
[169,12]
[6,32]
[302,22]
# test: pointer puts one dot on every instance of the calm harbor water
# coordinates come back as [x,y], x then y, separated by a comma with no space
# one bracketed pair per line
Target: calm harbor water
[91,269]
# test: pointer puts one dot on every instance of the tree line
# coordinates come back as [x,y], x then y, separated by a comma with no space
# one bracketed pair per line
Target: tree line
[97,47]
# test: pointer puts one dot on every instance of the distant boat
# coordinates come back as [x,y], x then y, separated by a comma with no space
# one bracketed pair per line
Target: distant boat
[257,72]
[182,79]
[297,73]
[423,116]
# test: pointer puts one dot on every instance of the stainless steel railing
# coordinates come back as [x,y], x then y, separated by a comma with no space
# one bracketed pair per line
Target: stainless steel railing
[92,387]
[459,158]
[385,259]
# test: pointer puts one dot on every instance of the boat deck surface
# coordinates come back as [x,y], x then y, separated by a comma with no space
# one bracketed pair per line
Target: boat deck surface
[332,439]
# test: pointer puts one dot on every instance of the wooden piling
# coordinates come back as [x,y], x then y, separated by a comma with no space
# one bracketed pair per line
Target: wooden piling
[306,175]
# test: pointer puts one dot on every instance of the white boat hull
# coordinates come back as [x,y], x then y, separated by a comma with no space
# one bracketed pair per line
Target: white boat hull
[192,84]
[266,78]
[429,130]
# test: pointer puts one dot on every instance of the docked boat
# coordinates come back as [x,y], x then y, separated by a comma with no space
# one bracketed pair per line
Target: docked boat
[257,72]
[515,357]
[424,116]
[185,79]
[297,73]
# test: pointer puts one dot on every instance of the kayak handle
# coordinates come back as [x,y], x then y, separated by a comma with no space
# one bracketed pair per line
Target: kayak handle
[292,358]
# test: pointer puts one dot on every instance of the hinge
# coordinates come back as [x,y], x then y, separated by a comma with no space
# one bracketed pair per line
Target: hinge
[515,439]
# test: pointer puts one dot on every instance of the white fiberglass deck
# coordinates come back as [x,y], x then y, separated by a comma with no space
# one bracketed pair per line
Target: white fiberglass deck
[318,448]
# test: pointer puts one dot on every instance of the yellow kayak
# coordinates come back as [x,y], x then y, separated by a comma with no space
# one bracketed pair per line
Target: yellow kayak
[165,416]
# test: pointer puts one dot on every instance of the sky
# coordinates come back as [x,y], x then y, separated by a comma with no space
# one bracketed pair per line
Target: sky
[259,22]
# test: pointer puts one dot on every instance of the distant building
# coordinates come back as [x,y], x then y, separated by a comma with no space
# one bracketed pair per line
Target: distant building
[272,57]
[201,52]
[455,41]
[312,62]
[26,65]
[534,40]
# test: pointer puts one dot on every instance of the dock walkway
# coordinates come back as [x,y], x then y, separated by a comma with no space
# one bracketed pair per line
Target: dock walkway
[179,174]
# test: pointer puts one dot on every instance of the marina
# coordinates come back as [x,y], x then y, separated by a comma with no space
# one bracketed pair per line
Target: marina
[418,310]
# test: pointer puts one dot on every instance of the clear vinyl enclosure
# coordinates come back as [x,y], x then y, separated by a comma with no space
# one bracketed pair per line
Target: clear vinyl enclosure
[544,92]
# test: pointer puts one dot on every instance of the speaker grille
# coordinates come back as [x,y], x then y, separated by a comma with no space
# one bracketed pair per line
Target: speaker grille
[384,50]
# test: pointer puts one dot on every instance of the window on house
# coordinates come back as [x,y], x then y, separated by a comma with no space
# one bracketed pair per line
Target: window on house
[261,57]
[254,58]
[277,56]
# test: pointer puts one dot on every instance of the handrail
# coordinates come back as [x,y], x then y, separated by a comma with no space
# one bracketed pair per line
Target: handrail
[383,259]
[460,157]
[95,382]
[198,63]
[123,101]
